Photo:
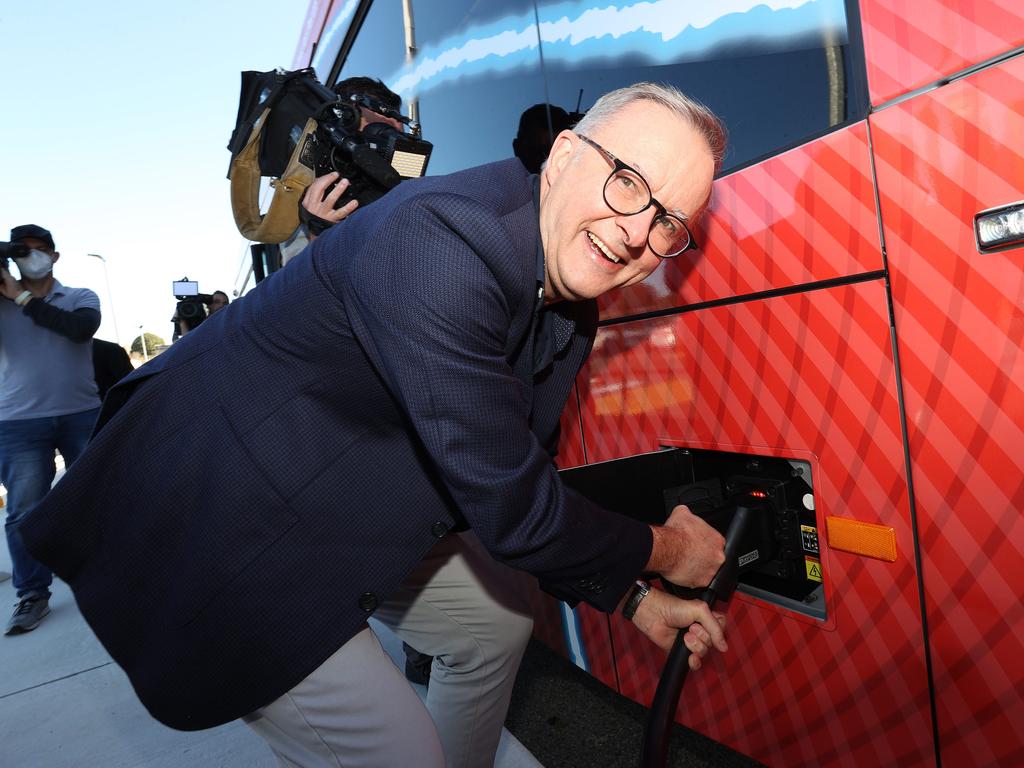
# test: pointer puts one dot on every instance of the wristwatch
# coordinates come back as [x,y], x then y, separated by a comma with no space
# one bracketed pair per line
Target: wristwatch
[23,298]
[636,596]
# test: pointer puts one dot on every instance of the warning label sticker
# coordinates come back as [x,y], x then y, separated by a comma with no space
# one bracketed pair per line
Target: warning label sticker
[809,537]
[813,568]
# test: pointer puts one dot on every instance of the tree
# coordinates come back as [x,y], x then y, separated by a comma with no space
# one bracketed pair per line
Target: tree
[152,342]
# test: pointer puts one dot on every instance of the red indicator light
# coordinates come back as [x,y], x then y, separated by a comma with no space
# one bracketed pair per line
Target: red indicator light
[759,494]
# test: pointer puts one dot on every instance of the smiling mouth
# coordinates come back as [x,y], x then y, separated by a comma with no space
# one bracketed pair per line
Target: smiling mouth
[603,249]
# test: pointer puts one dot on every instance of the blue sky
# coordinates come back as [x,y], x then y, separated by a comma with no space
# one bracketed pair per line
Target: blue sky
[114,124]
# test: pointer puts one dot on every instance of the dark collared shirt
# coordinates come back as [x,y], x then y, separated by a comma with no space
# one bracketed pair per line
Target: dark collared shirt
[551,332]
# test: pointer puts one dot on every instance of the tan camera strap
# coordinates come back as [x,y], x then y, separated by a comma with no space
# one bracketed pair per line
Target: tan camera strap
[282,218]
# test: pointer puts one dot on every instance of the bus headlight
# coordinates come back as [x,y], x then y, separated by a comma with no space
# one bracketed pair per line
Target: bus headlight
[999,228]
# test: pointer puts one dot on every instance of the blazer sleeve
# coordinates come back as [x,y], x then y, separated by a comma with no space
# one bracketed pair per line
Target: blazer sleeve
[431,300]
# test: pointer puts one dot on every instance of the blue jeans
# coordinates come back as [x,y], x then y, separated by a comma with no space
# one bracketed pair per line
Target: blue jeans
[26,471]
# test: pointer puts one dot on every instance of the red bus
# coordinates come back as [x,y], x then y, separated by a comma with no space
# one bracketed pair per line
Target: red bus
[849,340]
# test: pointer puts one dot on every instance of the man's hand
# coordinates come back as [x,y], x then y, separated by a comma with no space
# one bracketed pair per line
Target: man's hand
[10,288]
[687,551]
[661,616]
[321,205]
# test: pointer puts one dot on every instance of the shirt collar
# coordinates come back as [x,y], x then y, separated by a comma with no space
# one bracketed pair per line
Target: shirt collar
[540,242]
[553,329]
[57,289]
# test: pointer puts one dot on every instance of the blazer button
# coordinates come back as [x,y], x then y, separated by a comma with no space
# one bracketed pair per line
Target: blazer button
[439,530]
[368,602]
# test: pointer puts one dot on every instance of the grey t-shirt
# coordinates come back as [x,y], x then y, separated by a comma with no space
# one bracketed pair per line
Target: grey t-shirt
[41,372]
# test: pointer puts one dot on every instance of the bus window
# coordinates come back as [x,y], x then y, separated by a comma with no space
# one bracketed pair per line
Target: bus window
[776,73]
[477,68]
[380,47]
[332,37]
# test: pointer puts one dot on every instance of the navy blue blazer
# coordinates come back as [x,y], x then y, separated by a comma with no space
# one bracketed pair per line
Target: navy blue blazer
[252,494]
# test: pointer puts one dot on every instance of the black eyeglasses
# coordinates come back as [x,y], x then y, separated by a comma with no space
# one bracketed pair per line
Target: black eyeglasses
[627,193]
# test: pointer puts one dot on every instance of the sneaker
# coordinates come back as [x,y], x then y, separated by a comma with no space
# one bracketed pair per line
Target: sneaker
[28,613]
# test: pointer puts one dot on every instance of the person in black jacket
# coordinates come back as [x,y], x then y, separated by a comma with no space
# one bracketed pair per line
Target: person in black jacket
[110,364]
[371,432]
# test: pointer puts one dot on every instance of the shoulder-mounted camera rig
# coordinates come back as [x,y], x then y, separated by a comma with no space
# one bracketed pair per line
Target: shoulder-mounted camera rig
[292,128]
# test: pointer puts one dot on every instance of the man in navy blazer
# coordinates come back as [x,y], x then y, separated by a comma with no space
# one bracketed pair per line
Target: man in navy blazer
[310,455]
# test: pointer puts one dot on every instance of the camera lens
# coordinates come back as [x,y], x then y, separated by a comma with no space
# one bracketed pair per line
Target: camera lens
[189,310]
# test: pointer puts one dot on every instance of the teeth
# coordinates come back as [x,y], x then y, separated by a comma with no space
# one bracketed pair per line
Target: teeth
[603,249]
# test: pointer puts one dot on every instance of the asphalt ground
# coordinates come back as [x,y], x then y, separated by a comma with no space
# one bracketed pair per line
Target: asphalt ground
[567,719]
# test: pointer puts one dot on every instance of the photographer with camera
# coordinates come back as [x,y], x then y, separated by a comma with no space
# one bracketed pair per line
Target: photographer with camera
[320,209]
[193,307]
[48,396]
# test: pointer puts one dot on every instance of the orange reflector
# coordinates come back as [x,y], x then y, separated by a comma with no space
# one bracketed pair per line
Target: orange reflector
[868,539]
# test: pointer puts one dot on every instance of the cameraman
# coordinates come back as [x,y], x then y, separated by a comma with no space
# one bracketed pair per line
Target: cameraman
[190,311]
[318,211]
[48,398]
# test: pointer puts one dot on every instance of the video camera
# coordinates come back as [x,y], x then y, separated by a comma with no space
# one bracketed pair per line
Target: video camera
[191,307]
[374,159]
[10,251]
[292,127]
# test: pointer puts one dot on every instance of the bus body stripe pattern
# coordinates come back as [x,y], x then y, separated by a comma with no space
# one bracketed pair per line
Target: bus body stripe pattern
[803,216]
[913,43]
[808,374]
[960,322]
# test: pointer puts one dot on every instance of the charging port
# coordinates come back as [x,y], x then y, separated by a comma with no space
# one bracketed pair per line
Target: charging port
[779,558]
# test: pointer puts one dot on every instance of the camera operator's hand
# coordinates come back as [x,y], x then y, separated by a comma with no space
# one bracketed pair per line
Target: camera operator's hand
[687,551]
[321,205]
[10,288]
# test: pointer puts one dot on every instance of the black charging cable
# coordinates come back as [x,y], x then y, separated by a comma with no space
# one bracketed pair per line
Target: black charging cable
[673,675]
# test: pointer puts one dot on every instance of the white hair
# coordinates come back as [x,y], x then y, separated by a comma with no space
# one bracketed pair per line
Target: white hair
[690,110]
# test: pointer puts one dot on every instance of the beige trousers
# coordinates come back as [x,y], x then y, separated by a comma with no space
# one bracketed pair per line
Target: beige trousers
[460,606]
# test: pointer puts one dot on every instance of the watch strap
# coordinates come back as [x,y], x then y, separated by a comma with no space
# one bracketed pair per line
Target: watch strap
[637,594]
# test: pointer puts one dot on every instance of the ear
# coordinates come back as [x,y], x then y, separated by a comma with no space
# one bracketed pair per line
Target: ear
[56,255]
[561,151]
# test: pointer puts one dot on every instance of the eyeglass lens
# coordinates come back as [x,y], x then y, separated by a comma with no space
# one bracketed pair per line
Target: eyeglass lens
[627,193]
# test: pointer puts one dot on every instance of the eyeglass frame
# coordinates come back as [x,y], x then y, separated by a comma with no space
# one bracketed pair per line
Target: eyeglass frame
[618,165]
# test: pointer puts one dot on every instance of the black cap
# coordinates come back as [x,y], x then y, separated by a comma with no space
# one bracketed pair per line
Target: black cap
[32,230]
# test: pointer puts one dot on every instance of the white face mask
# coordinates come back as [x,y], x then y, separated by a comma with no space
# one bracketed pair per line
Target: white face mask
[36,265]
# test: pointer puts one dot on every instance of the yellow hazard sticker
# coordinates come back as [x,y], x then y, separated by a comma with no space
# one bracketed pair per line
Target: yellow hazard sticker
[813,568]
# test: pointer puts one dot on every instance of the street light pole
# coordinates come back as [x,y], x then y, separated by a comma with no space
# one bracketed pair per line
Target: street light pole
[142,338]
[106,279]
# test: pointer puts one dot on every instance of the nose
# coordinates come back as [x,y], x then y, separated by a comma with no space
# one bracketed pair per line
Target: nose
[635,228]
